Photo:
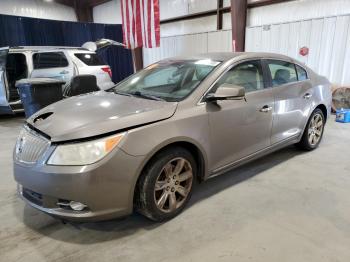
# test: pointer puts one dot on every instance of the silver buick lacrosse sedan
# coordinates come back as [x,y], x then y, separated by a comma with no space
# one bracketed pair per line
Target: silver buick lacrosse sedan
[142,144]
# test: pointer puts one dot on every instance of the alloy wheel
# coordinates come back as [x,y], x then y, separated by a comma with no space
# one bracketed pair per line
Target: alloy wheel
[173,185]
[315,129]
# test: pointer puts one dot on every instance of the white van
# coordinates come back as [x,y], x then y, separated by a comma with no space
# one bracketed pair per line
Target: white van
[50,62]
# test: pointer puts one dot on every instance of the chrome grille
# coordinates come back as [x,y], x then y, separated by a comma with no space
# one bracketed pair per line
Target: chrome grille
[30,146]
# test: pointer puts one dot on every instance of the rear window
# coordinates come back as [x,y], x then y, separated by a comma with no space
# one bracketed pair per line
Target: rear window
[49,60]
[90,59]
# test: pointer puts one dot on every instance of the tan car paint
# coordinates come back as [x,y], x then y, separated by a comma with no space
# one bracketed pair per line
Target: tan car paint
[223,135]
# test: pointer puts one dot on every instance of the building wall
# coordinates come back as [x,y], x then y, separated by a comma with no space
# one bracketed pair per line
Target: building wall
[37,9]
[178,38]
[322,26]
[216,41]
[296,10]
[108,13]
[174,8]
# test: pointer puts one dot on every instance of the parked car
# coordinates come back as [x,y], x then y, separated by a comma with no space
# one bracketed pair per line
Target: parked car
[141,144]
[49,62]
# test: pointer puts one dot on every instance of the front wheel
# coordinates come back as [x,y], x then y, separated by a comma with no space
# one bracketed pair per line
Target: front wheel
[165,186]
[313,131]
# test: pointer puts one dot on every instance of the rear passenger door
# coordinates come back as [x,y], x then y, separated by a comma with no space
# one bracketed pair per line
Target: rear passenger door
[52,65]
[291,92]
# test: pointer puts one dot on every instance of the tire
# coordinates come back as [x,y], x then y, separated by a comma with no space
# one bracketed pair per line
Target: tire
[162,181]
[306,142]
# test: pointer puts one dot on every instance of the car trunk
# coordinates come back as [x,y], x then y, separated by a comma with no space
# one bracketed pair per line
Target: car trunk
[101,44]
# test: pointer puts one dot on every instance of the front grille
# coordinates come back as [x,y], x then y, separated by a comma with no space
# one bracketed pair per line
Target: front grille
[30,146]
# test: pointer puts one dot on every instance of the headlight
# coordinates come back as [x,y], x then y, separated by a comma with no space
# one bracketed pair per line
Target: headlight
[84,153]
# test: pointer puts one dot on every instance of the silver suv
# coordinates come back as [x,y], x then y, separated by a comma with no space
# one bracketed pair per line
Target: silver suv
[49,61]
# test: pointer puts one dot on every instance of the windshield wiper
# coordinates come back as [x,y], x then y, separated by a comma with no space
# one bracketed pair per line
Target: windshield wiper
[121,93]
[147,96]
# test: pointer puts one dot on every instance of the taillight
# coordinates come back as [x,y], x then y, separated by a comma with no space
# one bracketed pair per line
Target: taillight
[108,70]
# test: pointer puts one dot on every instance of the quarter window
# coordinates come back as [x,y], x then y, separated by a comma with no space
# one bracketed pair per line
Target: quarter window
[49,60]
[302,75]
[247,74]
[282,72]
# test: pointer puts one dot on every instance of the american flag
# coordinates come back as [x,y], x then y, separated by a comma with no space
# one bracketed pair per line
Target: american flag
[141,26]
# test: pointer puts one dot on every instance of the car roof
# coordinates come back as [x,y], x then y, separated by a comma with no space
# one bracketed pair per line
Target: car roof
[226,56]
[44,48]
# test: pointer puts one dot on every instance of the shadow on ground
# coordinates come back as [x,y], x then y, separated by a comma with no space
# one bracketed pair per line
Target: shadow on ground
[88,233]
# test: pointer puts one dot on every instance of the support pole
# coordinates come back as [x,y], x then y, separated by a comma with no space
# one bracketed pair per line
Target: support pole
[238,20]
[137,58]
[219,14]
[83,12]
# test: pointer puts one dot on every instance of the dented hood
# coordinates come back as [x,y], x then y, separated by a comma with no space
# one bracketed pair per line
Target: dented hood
[97,114]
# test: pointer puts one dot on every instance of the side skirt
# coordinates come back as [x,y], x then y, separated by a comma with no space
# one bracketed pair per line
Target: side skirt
[254,156]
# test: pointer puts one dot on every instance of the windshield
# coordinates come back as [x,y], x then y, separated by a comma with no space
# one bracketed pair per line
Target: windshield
[167,80]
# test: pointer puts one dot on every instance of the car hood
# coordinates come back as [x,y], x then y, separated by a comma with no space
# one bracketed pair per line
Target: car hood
[96,114]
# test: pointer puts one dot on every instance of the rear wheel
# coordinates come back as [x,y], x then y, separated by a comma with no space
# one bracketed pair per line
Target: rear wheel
[165,186]
[313,131]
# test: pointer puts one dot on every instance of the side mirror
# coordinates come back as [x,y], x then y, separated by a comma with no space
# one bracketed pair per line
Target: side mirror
[227,92]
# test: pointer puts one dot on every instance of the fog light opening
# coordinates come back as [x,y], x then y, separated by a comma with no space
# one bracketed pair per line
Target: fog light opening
[77,206]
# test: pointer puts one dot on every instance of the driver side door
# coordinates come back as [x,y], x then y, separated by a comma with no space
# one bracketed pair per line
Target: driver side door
[240,128]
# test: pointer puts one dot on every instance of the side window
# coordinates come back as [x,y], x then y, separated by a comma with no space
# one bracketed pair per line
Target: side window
[247,74]
[302,75]
[282,72]
[49,60]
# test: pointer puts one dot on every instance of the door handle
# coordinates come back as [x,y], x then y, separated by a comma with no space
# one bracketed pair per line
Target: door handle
[307,96]
[64,72]
[266,109]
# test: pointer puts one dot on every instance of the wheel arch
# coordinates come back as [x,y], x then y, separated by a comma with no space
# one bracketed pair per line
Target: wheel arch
[323,108]
[194,148]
